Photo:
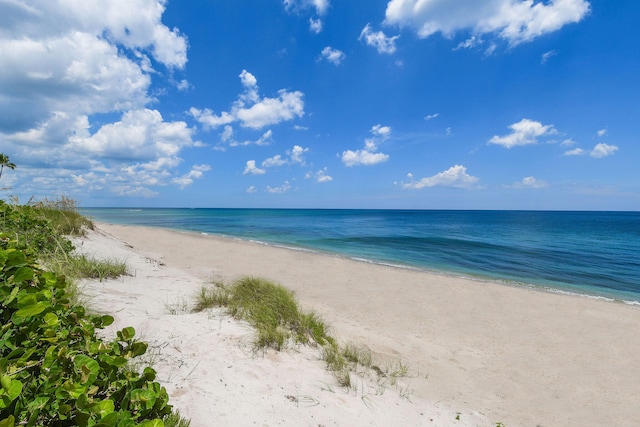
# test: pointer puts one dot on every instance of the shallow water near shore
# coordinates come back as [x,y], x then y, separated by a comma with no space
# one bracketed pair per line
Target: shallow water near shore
[591,253]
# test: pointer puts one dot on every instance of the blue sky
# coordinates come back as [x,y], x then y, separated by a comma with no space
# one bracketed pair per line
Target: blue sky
[419,104]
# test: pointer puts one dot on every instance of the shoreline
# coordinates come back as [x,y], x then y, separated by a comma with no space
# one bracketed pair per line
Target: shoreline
[506,353]
[445,273]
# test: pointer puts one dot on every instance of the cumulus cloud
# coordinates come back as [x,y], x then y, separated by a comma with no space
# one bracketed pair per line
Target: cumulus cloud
[320,176]
[320,6]
[530,182]
[524,132]
[456,176]
[196,172]
[253,111]
[599,151]
[264,139]
[66,61]
[603,150]
[515,21]
[431,116]
[332,55]
[602,132]
[300,6]
[574,152]
[315,25]
[378,39]
[363,157]
[281,189]
[295,156]
[369,155]
[251,169]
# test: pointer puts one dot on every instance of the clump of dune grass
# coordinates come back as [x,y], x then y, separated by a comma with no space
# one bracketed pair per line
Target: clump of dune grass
[82,266]
[278,320]
[62,212]
[176,420]
[270,308]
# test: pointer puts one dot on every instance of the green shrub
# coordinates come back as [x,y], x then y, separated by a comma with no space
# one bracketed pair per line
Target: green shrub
[54,371]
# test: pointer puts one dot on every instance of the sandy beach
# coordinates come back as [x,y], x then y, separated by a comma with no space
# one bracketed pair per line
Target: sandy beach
[479,353]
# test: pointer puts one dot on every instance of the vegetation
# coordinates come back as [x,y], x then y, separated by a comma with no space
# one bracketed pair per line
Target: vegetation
[278,320]
[54,370]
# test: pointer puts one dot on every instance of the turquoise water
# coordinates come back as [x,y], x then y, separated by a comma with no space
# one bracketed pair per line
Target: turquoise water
[593,253]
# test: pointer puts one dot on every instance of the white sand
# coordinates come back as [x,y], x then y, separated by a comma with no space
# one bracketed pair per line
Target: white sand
[480,352]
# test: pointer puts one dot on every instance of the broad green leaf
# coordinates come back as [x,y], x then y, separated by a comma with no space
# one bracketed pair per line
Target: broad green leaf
[50,319]
[11,389]
[138,348]
[28,311]
[151,423]
[102,408]
[12,296]
[110,420]
[23,274]
[74,390]
[87,367]
[8,422]
[144,398]
[25,299]
[127,333]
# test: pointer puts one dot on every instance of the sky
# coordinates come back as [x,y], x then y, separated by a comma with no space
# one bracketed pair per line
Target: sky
[390,104]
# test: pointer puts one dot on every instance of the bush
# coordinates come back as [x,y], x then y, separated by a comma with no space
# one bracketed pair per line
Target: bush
[54,371]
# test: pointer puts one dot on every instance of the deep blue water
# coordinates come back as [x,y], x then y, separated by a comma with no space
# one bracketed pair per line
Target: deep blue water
[593,253]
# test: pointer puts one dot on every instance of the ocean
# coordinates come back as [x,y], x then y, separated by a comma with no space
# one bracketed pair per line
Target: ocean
[589,253]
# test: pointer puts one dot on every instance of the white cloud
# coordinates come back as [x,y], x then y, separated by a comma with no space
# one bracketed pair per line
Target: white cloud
[265,139]
[196,172]
[516,21]
[315,25]
[523,133]
[602,132]
[547,55]
[369,155]
[456,176]
[431,116]
[274,161]
[378,39]
[251,169]
[574,152]
[251,189]
[363,157]
[332,55]
[381,131]
[469,43]
[599,151]
[139,135]
[297,154]
[321,6]
[282,189]
[530,182]
[320,176]
[64,62]
[252,111]
[603,150]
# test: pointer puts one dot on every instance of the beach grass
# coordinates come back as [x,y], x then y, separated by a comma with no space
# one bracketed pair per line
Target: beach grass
[83,266]
[278,320]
